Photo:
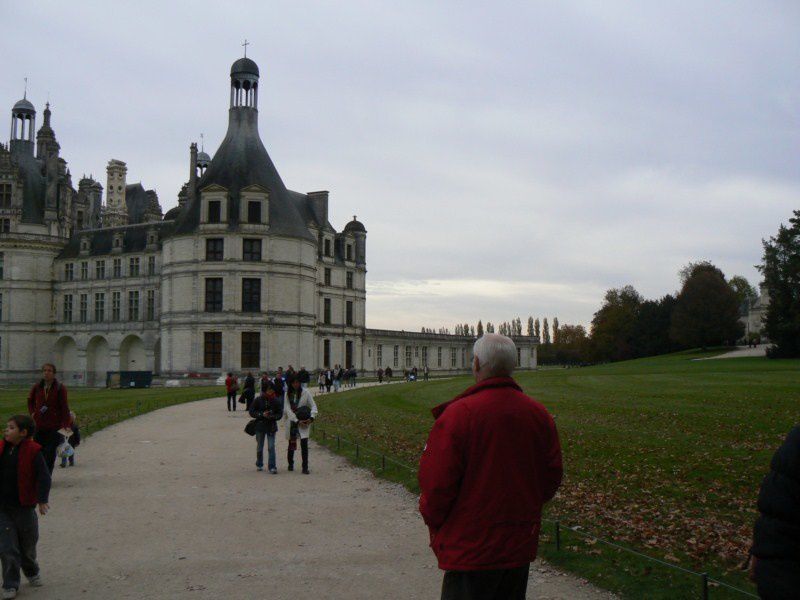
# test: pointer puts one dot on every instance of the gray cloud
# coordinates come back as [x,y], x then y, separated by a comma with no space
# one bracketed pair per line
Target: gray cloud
[544,152]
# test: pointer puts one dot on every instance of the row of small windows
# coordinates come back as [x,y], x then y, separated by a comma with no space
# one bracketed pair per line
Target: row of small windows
[80,313]
[328,249]
[251,295]
[348,278]
[5,195]
[215,249]
[326,312]
[250,355]
[326,353]
[215,211]
[134,268]
[416,354]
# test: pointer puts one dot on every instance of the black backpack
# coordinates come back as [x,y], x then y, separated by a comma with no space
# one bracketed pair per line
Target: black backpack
[303,413]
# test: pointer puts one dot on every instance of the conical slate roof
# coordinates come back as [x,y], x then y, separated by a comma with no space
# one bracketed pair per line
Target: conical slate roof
[242,161]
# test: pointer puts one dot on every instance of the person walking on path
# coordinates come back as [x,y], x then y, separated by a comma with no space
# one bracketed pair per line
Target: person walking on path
[380,376]
[24,483]
[249,389]
[425,372]
[266,409]
[338,373]
[231,387]
[328,380]
[484,521]
[321,382]
[775,555]
[299,410]
[304,376]
[47,405]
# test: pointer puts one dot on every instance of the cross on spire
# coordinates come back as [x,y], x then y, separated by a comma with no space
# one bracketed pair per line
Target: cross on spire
[246,44]
[25,95]
[202,143]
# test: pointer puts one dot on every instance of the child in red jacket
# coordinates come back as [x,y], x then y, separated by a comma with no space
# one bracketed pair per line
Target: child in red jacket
[24,483]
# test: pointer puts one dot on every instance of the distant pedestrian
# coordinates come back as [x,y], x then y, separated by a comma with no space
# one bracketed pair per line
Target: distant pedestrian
[231,387]
[380,375]
[304,377]
[264,383]
[328,379]
[338,374]
[47,404]
[491,462]
[249,390]
[73,440]
[24,484]
[776,538]
[388,374]
[353,376]
[299,410]
[425,372]
[266,409]
[321,381]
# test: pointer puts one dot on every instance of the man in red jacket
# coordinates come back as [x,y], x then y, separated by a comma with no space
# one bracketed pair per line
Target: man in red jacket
[47,404]
[491,462]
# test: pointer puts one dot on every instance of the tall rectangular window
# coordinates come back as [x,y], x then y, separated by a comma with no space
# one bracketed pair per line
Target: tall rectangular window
[251,295]
[425,356]
[80,219]
[326,353]
[379,355]
[84,308]
[133,305]
[84,270]
[214,211]
[133,266]
[69,272]
[254,211]
[251,250]
[397,356]
[116,303]
[327,276]
[349,252]
[463,357]
[5,195]
[326,312]
[214,294]
[151,265]
[349,280]
[151,305]
[2,264]
[251,349]
[212,349]
[328,247]
[408,356]
[100,269]
[5,225]
[214,249]
[117,267]
[348,313]
[439,356]
[68,308]
[99,307]
[452,358]
[348,354]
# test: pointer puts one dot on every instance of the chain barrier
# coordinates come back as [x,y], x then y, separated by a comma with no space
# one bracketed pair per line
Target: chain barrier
[706,581]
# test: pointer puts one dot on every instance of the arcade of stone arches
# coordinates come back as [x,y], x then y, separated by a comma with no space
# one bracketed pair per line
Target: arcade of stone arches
[87,359]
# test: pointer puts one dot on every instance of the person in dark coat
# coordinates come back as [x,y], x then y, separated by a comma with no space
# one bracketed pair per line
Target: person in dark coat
[492,461]
[266,409]
[249,389]
[775,553]
[47,405]
[304,377]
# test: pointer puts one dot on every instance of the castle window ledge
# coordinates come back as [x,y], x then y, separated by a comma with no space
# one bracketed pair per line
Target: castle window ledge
[213,227]
[254,228]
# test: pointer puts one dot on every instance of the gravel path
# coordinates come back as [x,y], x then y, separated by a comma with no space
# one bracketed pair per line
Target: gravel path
[170,505]
[741,352]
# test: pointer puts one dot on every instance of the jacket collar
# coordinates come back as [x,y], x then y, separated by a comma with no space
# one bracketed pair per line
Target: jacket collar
[54,386]
[492,382]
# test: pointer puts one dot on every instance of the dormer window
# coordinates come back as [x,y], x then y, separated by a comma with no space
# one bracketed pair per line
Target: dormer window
[349,252]
[214,211]
[327,247]
[254,211]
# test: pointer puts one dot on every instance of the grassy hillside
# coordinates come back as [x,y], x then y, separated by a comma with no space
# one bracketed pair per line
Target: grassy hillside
[663,454]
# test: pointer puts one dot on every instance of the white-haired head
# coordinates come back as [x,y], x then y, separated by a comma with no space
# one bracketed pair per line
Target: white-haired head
[495,355]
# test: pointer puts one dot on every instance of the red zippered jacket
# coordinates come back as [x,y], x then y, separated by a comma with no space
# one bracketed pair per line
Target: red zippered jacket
[32,483]
[491,462]
[56,414]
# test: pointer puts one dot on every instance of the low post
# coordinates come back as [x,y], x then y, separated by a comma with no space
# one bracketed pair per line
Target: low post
[558,535]
[383,462]
[704,579]
[338,442]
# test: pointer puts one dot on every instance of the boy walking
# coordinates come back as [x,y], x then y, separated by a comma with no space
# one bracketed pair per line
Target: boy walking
[24,483]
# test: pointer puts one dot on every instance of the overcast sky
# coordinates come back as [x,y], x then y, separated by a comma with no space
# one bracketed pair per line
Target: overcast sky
[507,159]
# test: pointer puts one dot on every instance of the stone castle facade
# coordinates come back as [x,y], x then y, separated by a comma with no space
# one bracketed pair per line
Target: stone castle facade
[244,274]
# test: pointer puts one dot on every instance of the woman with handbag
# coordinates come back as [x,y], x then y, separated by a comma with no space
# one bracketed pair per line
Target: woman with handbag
[265,410]
[299,410]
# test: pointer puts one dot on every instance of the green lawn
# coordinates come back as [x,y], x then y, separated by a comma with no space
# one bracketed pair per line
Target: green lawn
[98,408]
[664,455]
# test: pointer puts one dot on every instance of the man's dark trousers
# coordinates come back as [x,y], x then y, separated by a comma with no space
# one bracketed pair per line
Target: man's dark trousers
[232,401]
[19,532]
[501,584]
[50,441]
